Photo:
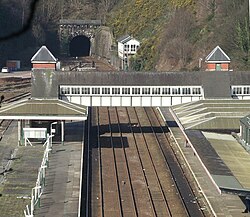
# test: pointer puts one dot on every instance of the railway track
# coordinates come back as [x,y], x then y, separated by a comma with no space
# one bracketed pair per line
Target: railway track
[13,90]
[13,97]
[132,168]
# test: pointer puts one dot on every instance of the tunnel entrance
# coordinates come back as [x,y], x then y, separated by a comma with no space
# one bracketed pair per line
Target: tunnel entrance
[79,46]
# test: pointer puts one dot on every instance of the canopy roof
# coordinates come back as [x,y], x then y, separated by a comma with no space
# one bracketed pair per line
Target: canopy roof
[43,109]
[212,114]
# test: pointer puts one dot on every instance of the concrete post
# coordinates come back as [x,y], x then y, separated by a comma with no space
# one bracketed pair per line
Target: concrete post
[62,132]
[19,131]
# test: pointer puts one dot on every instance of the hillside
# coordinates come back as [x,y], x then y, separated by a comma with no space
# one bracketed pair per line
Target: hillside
[174,34]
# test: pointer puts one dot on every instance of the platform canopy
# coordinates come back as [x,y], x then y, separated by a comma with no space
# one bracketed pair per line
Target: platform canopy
[211,114]
[43,109]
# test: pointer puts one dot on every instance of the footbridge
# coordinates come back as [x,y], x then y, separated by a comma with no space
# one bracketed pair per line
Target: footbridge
[139,88]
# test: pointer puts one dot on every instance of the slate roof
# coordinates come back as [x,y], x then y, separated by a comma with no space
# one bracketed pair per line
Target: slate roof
[43,109]
[216,84]
[80,22]
[43,55]
[217,55]
[124,39]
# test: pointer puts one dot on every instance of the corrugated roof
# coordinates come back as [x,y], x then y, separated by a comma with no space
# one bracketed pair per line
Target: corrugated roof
[41,109]
[43,55]
[217,54]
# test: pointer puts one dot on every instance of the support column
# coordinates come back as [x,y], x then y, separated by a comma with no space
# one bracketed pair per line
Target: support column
[19,132]
[62,132]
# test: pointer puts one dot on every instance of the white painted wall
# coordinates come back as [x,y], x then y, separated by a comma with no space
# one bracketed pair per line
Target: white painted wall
[116,101]
[127,96]
[146,101]
[126,101]
[106,101]
[121,50]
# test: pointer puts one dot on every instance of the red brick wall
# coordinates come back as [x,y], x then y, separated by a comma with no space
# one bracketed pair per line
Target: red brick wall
[211,66]
[44,65]
[224,66]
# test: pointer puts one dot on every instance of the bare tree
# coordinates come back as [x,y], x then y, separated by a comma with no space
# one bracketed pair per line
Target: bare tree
[176,42]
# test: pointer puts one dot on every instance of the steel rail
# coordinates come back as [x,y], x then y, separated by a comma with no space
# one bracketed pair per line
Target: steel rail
[186,195]
[154,168]
[127,165]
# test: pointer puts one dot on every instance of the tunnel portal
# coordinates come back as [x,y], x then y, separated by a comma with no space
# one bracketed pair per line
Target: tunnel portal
[79,46]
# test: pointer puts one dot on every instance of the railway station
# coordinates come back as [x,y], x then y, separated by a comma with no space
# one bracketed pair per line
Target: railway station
[125,154]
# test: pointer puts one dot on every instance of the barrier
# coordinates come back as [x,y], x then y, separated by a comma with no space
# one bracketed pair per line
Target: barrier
[37,191]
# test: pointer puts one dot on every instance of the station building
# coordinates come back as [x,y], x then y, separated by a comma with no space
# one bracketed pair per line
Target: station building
[217,60]
[43,59]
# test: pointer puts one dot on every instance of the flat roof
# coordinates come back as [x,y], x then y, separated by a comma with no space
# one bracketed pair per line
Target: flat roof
[212,114]
[43,109]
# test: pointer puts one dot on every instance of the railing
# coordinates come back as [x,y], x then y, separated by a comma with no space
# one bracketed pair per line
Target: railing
[37,191]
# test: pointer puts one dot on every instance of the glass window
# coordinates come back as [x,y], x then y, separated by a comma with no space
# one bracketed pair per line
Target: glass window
[133,47]
[126,47]
[85,90]
[65,90]
[176,90]
[75,90]
[156,90]
[116,90]
[95,90]
[145,90]
[186,90]
[196,90]
[125,90]
[237,90]
[105,90]
[166,90]
[135,90]
[246,90]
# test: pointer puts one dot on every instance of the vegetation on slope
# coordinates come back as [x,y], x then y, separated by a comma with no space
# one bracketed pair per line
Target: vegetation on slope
[175,34]
[143,20]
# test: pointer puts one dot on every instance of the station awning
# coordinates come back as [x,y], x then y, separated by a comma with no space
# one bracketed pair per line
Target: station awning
[43,109]
[211,114]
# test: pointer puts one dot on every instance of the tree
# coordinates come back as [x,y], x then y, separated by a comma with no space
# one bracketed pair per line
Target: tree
[176,42]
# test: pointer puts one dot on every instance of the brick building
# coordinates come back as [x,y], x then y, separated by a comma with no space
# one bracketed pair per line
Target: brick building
[217,60]
[43,59]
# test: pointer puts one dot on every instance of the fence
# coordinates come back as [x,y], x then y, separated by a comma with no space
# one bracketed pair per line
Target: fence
[37,191]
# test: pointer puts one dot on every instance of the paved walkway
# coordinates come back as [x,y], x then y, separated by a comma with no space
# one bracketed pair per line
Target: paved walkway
[61,195]
[222,205]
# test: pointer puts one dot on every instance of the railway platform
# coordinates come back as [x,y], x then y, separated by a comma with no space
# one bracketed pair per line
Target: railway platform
[219,162]
[19,171]
[62,191]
